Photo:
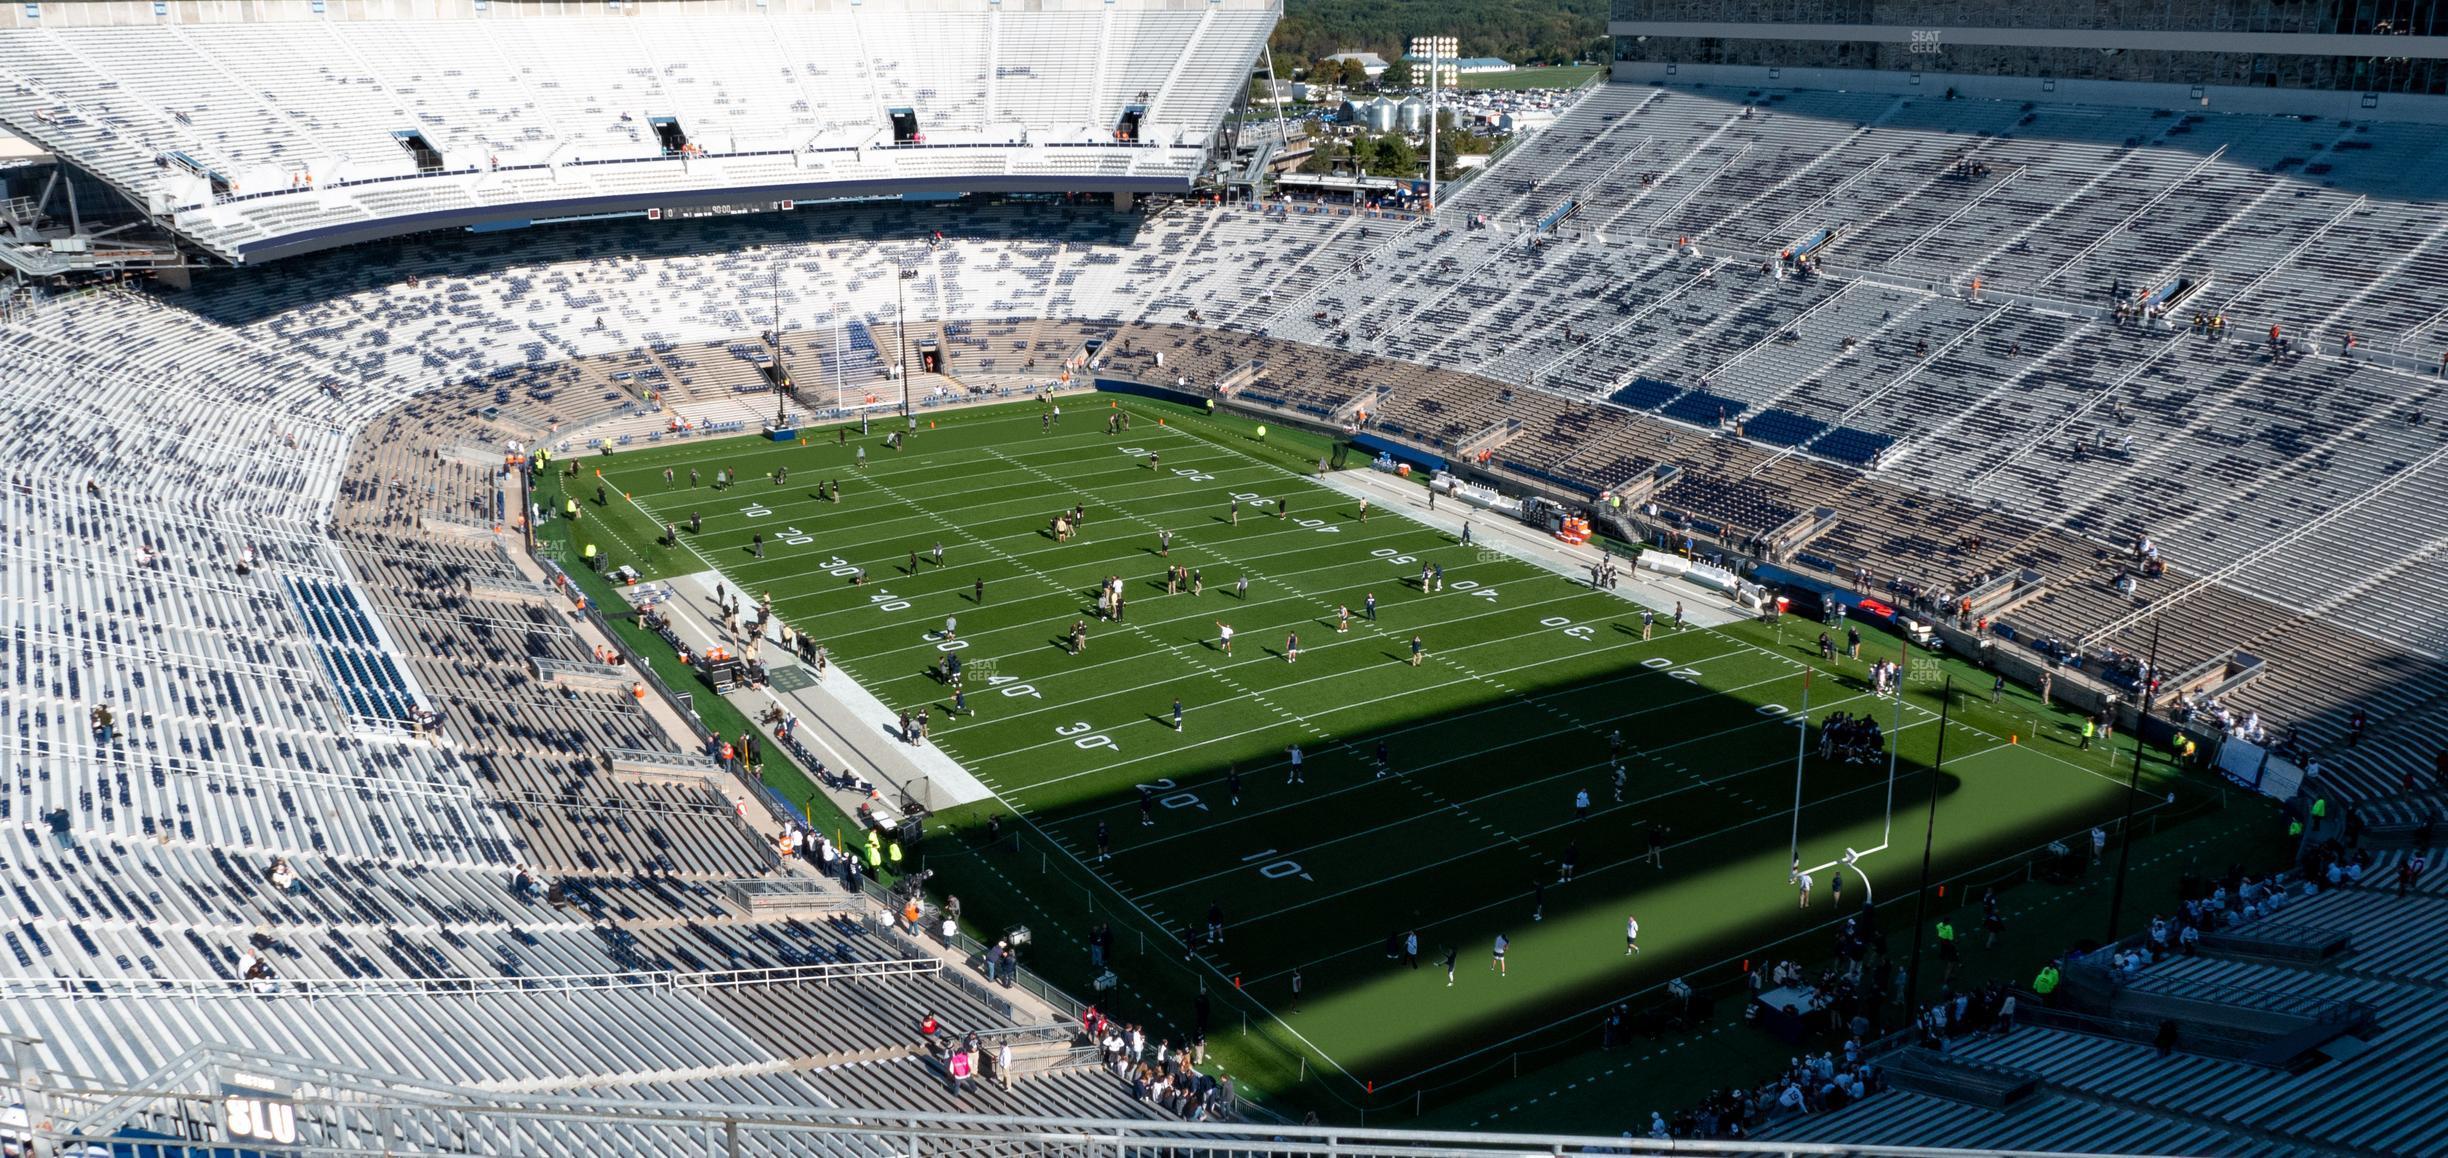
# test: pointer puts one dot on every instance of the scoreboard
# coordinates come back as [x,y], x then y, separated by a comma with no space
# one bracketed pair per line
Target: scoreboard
[691,212]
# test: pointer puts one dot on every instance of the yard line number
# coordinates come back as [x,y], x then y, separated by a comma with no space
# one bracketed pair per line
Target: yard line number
[1174,797]
[1182,471]
[1459,586]
[1278,869]
[1084,735]
[1319,525]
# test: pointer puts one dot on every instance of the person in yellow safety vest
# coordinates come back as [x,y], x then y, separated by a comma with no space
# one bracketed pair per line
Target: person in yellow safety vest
[2189,748]
[2294,828]
[892,852]
[590,556]
[2046,982]
[2320,808]
[875,850]
[569,509]
[2090,729]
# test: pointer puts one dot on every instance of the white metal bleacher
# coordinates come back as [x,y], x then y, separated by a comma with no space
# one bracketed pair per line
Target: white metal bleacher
[300,120]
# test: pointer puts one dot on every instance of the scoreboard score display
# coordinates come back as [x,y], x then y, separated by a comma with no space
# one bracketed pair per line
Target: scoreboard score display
[258,1108]
[688,212]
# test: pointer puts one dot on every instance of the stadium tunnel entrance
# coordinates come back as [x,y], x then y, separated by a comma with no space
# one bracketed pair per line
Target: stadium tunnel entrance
[668,133]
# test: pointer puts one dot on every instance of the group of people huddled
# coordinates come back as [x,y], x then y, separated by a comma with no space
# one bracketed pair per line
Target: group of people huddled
[1852,739]
[1159,1074]
[2237,899]
[966,1060]
[1987,1010]
[850,865]
[1809,1084]
[2195,709]
[2341,860]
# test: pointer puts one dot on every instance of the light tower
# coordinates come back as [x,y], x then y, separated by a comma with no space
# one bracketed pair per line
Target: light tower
[1437,50]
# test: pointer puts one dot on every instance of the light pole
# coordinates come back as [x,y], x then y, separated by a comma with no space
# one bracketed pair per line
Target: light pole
[1903,658]
[1929,841]
[773,338]
[901,334]
[2133,788]
[1438,50]
[1801,742]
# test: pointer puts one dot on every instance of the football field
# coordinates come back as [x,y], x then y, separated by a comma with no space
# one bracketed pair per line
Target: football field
[1469,825]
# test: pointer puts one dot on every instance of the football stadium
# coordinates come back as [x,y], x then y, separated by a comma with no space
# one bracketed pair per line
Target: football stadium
[887,578]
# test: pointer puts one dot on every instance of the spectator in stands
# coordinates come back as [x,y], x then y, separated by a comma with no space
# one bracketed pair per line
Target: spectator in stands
[284,877]
[104,722]
[257,972]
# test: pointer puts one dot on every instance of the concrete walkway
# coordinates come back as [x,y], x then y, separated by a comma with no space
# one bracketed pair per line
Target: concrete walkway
[1492,531]
[842,722]
[829,725]
[657,708]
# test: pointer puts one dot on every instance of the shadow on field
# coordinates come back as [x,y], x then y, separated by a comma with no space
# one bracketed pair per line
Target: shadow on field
[1465,841]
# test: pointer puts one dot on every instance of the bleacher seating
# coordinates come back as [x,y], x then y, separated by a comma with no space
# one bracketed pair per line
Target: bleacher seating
[2104,1094]
[353,653]
[254,585]
[267,136]
[329,421]
[1938,394]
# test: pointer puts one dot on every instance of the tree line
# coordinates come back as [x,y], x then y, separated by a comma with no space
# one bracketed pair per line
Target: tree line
[1525,32]
[1391,154]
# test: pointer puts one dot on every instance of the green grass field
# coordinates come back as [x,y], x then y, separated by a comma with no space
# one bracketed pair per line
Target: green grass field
[1488,740]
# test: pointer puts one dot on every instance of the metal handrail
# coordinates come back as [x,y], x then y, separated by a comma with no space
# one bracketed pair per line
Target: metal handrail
[822,971]
[973,951]
[364,1124]
[311,987]
[353,1110]
[2194,1038]
[2331,1010]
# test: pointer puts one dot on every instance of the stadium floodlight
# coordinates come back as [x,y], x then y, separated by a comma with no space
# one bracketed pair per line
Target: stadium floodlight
[779,375]
[1438,50]
[901,334]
